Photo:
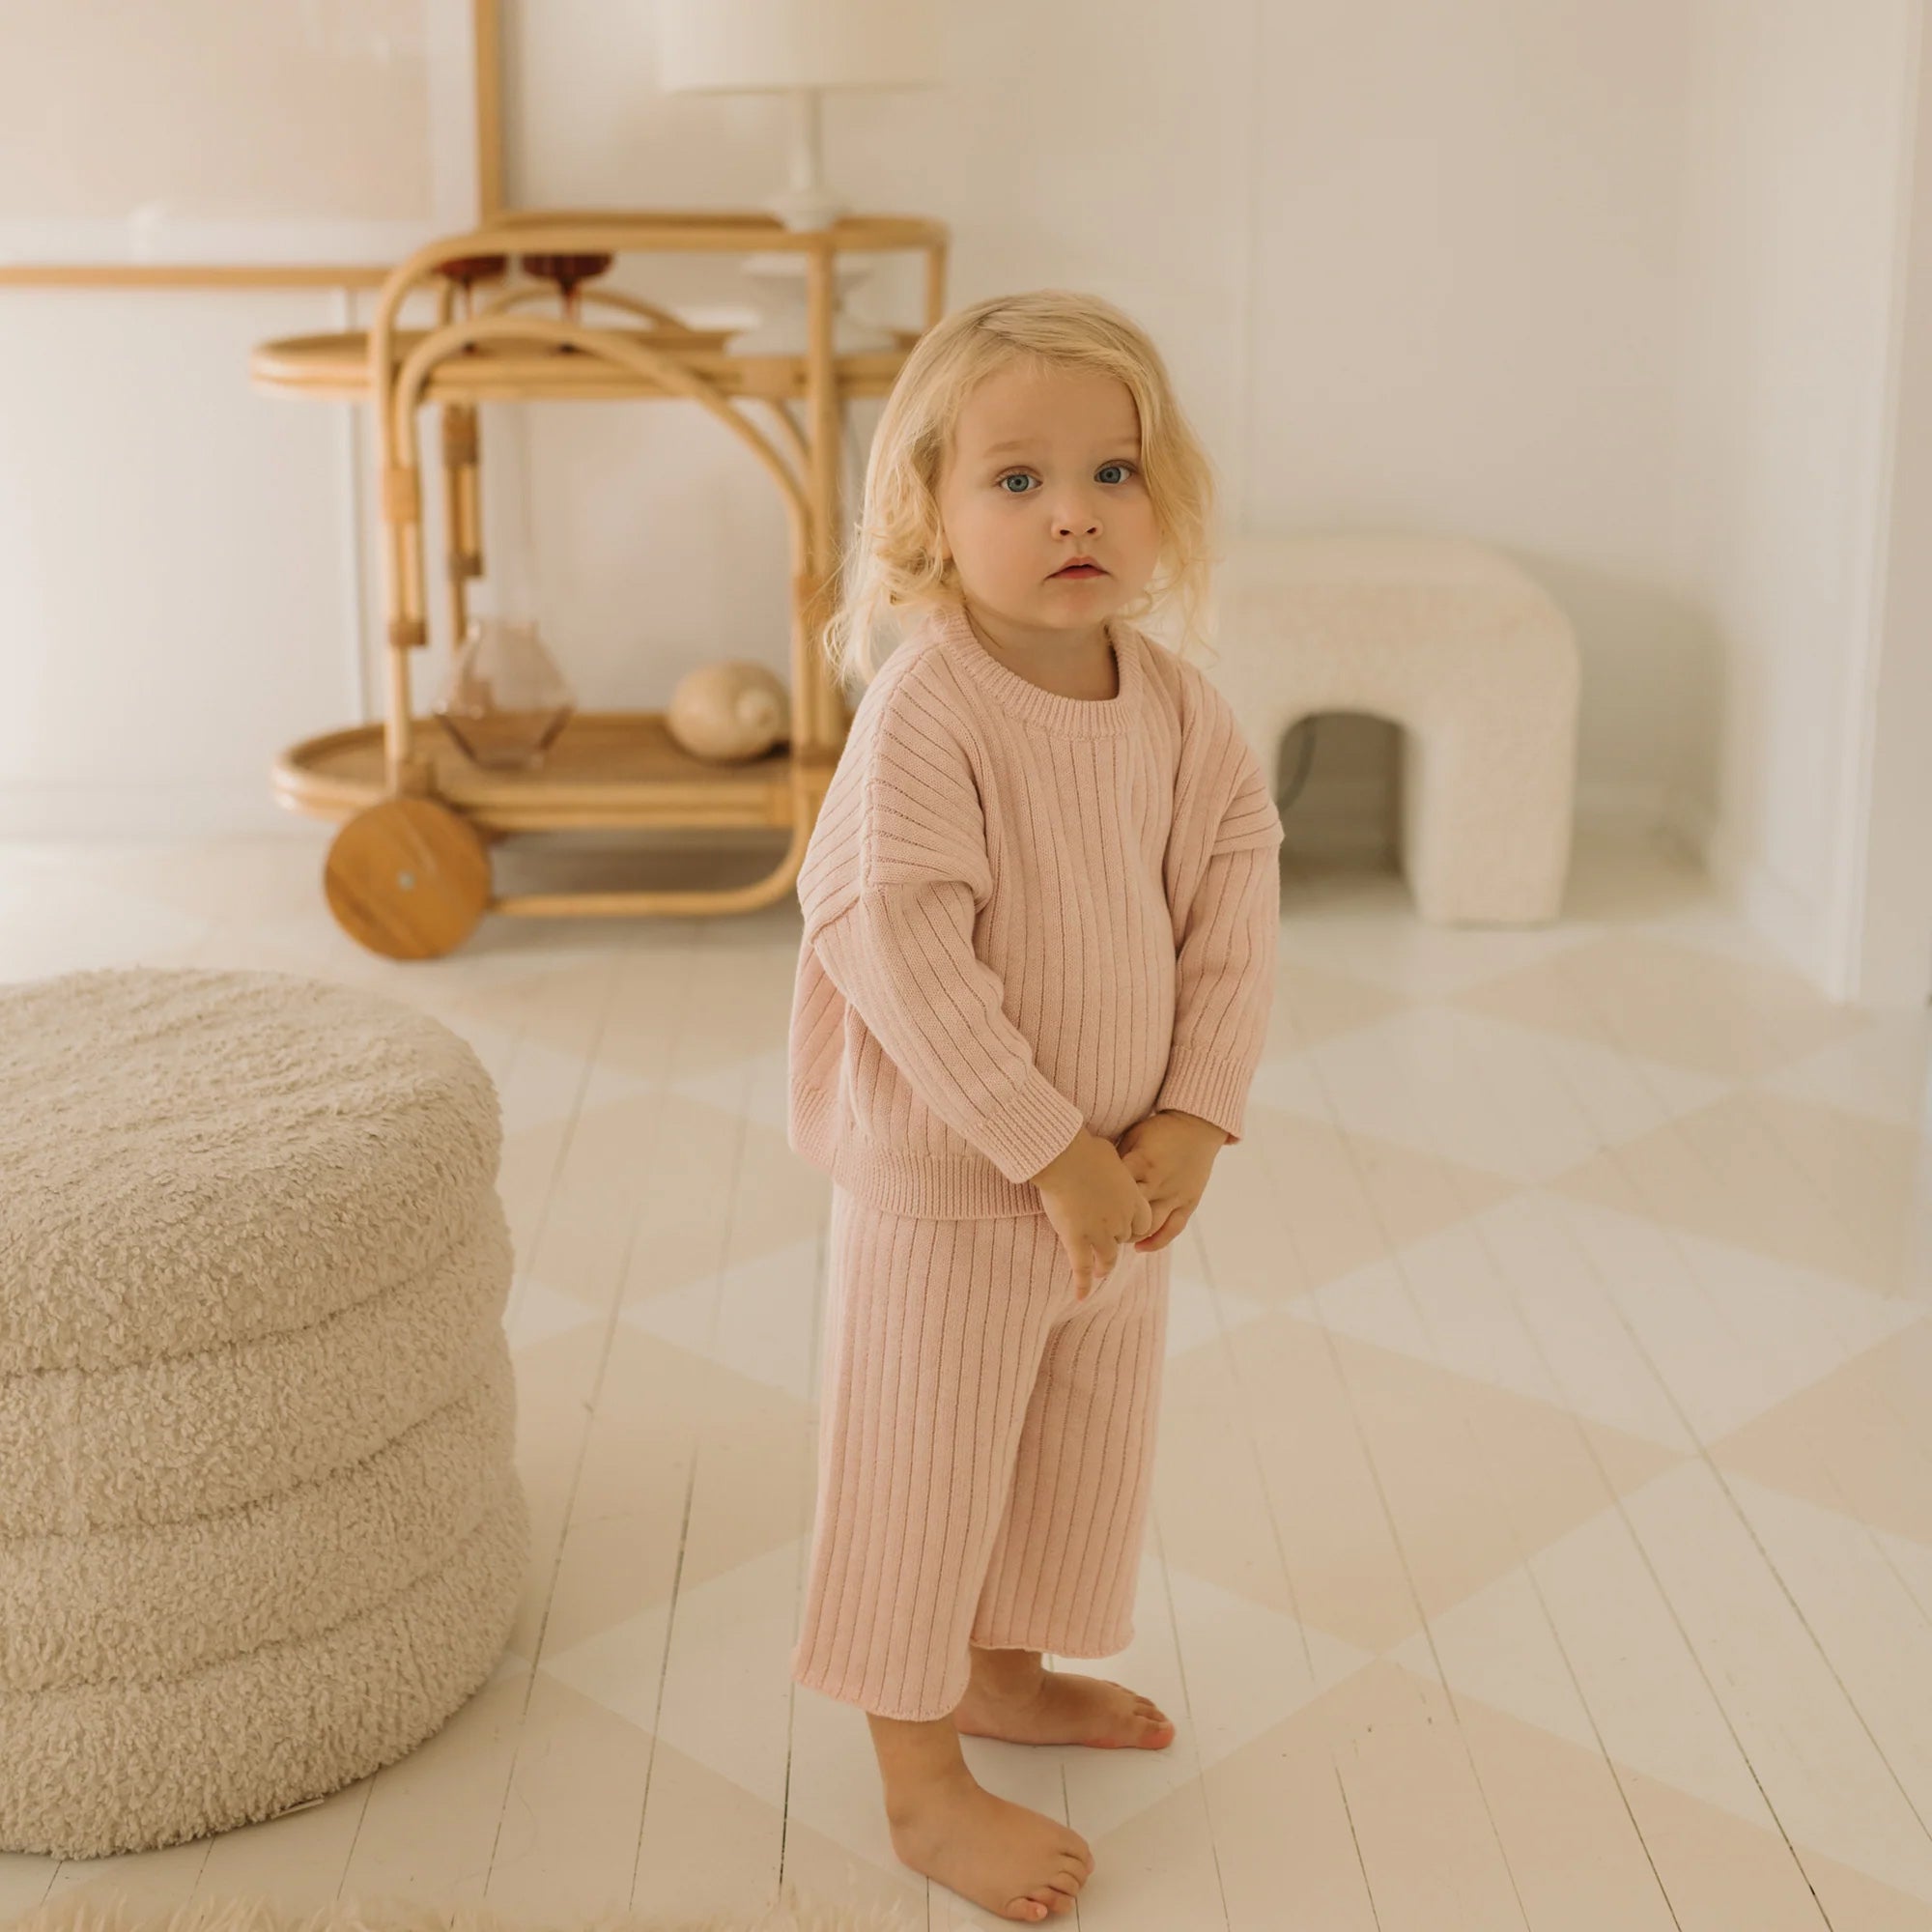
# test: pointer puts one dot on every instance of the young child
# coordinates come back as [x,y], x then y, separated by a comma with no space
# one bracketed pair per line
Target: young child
[1040,903]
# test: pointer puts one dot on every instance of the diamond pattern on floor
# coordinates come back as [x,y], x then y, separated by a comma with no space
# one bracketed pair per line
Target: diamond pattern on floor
[1540,1532]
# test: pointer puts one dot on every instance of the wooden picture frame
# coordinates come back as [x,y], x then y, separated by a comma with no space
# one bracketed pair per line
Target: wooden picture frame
[461,145]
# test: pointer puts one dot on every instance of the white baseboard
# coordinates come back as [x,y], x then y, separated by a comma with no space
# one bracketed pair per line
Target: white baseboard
[1639,807]
[1347,815]
[144,812]
[1349,818]
[1352,817]
[1767,903]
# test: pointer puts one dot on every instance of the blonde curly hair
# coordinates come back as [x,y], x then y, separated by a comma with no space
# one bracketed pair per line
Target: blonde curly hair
[892,566]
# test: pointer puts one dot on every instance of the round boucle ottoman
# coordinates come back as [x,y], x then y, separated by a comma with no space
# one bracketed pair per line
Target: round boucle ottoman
[260,1532]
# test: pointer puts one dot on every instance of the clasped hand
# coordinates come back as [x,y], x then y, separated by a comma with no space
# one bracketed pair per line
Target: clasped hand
[1142,1187]
[1170,1157]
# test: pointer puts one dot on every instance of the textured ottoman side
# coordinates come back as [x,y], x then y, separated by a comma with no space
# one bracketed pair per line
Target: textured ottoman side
[260,1532]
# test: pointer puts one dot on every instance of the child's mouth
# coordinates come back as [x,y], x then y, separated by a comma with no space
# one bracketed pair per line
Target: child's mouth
[1081,570]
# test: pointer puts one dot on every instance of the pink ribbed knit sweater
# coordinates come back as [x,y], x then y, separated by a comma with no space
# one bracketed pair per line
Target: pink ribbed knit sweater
[1024,914]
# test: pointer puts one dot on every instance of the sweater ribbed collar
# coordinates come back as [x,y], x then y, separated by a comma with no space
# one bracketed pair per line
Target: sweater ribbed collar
[1073,716]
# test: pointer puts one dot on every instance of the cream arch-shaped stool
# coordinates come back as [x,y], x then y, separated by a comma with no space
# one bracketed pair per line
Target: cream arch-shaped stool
[260,1532]
[1455,644]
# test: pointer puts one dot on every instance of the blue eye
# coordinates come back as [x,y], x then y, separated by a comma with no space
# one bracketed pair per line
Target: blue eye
[1021,476]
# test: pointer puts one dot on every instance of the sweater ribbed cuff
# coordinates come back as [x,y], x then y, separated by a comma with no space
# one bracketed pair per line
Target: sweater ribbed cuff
[1216,1088]
[1035,1125]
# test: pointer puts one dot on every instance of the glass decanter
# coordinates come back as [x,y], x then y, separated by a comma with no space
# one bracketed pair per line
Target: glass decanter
[506,699]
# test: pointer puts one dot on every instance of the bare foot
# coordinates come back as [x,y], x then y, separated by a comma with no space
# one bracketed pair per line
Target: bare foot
[1013,1861]
[1063,1708]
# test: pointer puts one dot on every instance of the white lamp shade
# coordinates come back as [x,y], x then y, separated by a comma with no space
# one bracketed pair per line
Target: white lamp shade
[746,46]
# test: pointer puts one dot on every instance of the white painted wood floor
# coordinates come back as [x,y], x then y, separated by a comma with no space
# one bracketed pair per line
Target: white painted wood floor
[1544,1531]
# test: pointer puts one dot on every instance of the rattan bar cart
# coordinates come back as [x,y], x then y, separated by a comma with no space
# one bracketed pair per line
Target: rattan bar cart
[409,872]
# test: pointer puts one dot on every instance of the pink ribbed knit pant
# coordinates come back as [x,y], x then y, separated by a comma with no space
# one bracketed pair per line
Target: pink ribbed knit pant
[984,1450]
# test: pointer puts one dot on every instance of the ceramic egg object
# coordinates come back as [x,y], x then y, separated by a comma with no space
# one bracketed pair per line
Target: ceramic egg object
[729,711]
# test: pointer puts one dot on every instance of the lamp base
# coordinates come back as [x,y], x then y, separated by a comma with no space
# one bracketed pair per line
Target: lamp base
[808,205]
[782,327]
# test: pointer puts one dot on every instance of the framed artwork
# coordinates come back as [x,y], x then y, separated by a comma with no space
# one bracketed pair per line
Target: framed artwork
[199,143]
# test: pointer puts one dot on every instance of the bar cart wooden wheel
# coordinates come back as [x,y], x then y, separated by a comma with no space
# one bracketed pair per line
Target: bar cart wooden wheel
[408,874]
[408,878]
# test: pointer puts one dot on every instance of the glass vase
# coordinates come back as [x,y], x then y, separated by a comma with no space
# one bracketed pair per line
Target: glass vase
[506,699]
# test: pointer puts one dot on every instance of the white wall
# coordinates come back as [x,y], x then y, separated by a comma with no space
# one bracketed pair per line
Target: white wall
[1411,267]
[1795,190]
[1462,302]
[173,598]
[1603,285]
[1886,879]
